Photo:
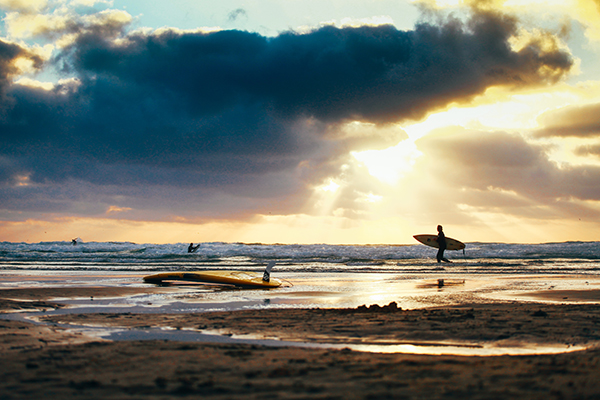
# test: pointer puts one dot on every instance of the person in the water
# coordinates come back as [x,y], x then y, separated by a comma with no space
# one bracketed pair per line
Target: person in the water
[441,239]
[192,248]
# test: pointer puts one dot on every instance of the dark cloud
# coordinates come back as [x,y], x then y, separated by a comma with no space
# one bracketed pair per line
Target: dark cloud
[574,121]
[377,74]
[239,114]
[235,14]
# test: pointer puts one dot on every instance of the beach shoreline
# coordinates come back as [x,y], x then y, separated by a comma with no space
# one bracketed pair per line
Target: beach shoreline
[53,357]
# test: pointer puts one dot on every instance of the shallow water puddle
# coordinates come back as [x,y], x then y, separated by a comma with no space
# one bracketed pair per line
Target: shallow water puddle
[466,350]
[428,348]
[206,336]
[188,335]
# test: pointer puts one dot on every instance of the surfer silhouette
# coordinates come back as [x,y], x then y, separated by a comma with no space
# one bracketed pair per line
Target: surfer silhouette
[192,248]
[441,239]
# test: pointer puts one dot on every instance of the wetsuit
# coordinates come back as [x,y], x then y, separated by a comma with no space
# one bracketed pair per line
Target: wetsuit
[441,239]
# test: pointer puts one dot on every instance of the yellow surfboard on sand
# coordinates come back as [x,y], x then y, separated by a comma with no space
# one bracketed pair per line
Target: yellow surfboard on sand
[247,279]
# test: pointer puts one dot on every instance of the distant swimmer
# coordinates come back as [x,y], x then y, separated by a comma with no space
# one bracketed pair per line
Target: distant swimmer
[192,248]
[74,242]
[441,240]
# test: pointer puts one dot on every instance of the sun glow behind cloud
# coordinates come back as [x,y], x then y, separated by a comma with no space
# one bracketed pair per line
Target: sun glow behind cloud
[587,12]
[391,164]
[510,113]
[330,186]
[498,111]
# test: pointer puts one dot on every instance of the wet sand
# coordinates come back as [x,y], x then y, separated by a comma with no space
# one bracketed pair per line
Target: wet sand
[48,361]
[566,296]
[503,325]
[43,293]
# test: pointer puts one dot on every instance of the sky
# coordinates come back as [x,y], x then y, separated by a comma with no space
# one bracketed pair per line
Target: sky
[288,121]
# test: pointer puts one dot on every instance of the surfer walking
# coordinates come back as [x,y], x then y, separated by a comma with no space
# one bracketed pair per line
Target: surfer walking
[441,240]
[192,248]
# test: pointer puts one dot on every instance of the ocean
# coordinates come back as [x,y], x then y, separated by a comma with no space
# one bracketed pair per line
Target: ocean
[479,258]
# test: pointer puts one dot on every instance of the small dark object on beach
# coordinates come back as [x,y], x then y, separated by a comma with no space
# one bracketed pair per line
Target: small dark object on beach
[392,307]
[540,313]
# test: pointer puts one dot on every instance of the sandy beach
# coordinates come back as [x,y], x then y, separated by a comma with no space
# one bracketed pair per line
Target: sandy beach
[49,360]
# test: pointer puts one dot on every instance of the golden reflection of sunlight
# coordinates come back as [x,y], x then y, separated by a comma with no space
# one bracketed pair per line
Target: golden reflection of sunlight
[391,164]
[376,298]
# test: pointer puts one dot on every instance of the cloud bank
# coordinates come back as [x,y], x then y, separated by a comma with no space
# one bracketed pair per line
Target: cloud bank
[574,121]
[505,161]
[232,123]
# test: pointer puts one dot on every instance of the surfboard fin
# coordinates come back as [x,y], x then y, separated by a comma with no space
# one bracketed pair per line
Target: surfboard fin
[267,274]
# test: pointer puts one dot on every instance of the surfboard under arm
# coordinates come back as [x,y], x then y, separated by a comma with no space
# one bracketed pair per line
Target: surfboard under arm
[431,240]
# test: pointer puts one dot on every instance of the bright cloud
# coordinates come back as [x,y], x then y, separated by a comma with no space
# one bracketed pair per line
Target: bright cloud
[25,6]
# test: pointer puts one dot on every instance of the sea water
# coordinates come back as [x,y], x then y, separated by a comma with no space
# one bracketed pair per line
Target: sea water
[490,258]
[315,275]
